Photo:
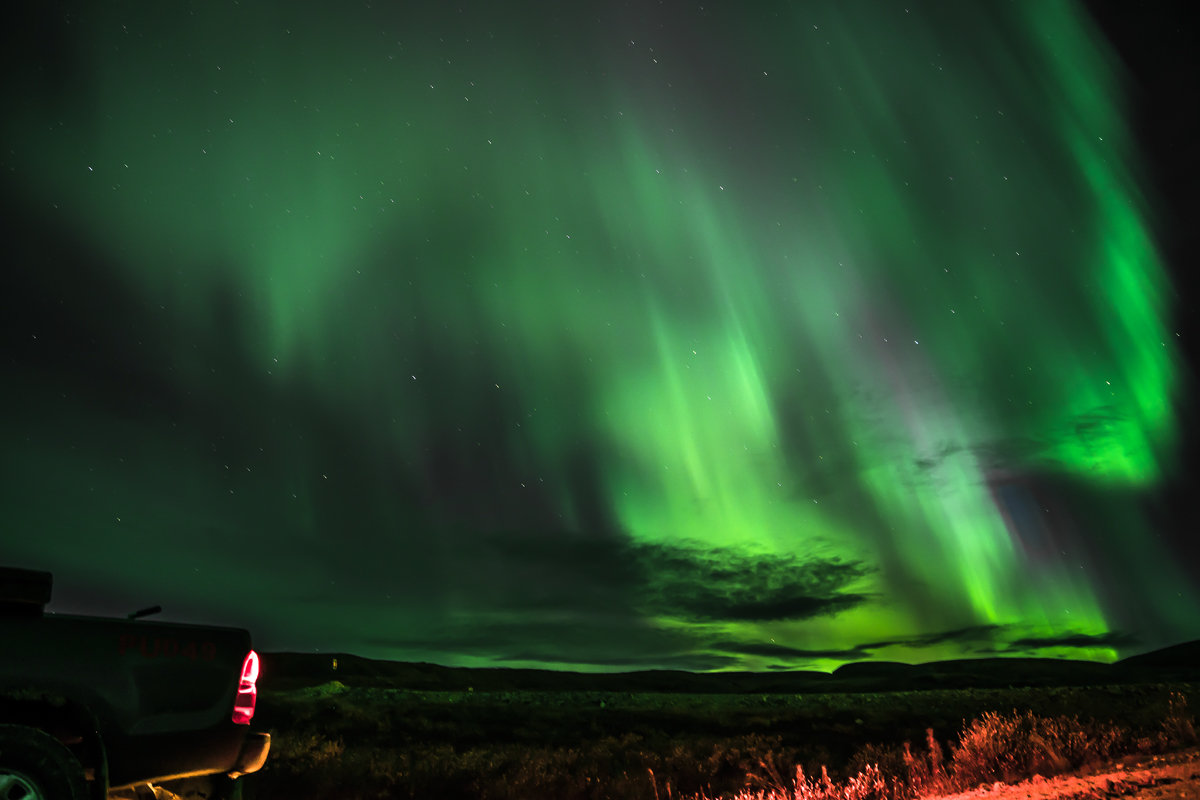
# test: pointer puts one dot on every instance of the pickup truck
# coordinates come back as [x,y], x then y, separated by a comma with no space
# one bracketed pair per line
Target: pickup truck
[92,707]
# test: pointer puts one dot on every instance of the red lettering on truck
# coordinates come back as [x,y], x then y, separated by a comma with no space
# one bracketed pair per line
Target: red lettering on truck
[166,647]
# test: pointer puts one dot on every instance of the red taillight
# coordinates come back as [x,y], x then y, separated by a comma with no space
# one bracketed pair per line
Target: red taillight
[247,695]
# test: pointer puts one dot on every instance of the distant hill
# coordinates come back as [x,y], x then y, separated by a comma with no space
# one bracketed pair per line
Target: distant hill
[1176,663]
[1184,657]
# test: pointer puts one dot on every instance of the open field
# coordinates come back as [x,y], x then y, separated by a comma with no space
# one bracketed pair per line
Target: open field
[332,740]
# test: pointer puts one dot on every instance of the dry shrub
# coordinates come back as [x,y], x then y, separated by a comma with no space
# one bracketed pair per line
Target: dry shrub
[889,760]
[1178,726]
[992,748]
[926,775]
[867,784]
[1012,747]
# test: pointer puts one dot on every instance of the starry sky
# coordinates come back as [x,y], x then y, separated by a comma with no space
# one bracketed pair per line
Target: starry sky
[606,335]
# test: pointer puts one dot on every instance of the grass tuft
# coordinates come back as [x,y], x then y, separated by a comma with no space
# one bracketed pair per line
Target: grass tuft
[1179,728]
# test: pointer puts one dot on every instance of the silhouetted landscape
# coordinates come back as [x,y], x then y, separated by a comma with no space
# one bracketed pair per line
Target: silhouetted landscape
[1180,662]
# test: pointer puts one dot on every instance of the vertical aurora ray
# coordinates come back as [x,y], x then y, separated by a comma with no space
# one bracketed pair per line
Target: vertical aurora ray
[868,286]
[917,358]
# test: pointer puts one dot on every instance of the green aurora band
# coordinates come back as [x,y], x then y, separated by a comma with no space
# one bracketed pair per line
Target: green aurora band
[838,281]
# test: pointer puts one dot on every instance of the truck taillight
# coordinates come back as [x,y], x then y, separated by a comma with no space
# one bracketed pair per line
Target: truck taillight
[247,694]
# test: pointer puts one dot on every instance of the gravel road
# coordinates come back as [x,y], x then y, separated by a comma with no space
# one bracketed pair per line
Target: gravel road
[1175,776]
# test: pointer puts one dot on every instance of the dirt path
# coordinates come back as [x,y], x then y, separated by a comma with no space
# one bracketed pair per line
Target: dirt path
[1175,776]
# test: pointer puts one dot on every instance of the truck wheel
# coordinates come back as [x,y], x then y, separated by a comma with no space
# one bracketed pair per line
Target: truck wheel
[36,766]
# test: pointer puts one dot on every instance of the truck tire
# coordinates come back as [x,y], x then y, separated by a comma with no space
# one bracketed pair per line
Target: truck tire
[36,766]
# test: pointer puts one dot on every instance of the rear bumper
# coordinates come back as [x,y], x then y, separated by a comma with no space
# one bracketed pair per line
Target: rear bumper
[253,755]
[227,750]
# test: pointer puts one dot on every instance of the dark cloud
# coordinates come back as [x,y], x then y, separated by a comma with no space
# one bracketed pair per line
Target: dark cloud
[692,662]
[791,653]
[998,639]
[598,574]
[725,584]
[930,461]
[1096,421]
[590,599]
[746,604]
[968,635]
[1116,639]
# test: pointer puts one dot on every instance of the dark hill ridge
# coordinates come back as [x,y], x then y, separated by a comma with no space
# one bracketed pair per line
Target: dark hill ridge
[1177,663]
[1186,655]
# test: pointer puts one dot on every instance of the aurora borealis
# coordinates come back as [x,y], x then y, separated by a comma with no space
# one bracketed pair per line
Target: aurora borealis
[705,336]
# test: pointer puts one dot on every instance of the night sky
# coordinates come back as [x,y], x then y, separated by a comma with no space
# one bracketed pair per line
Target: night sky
[606,335]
